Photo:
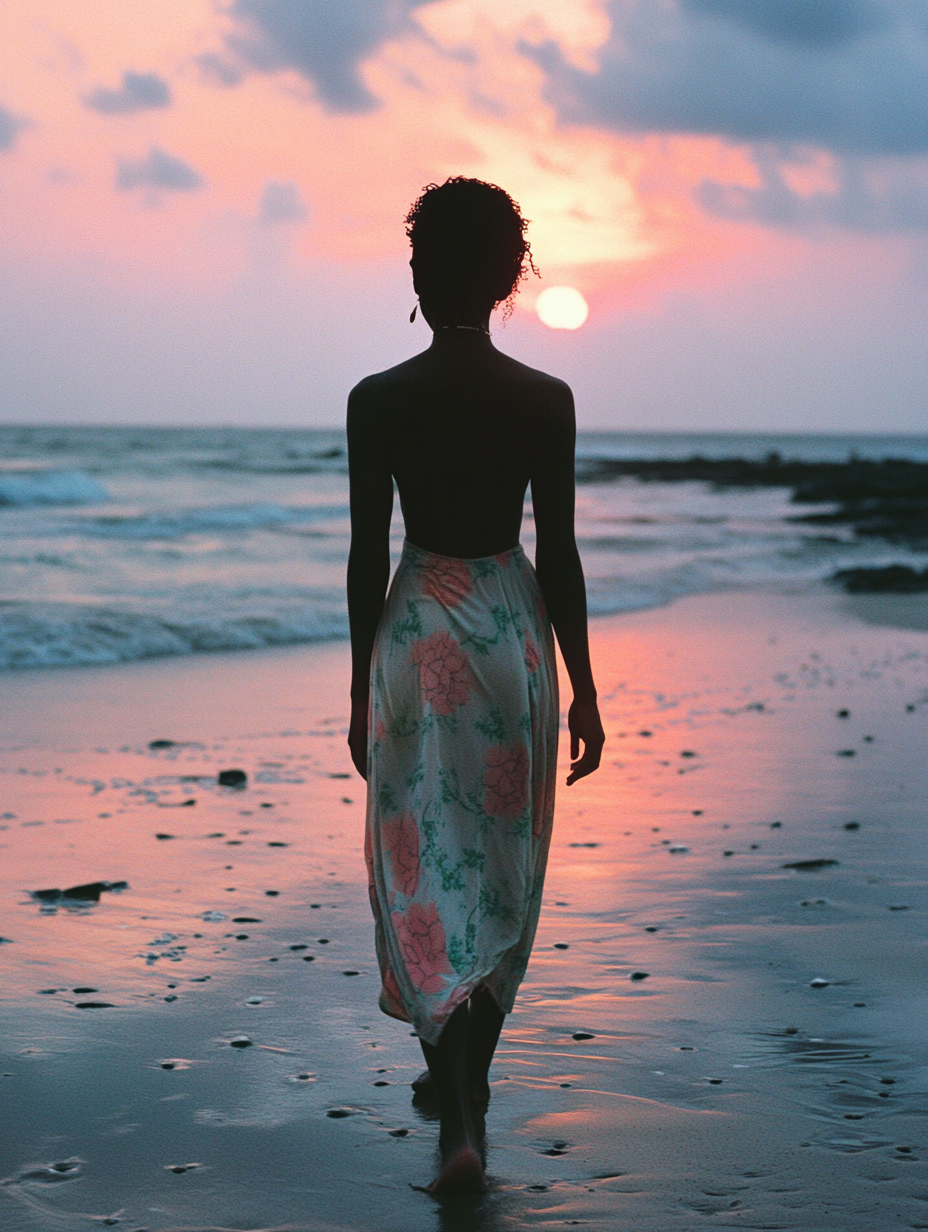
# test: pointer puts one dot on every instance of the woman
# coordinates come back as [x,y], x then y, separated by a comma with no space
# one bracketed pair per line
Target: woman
[454,707]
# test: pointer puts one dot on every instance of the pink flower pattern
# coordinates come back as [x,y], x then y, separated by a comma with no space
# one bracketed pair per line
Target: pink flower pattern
[446,579]
[400,839]
[532,654]
[505,781]
[465,715]
[421,937]
[444,672]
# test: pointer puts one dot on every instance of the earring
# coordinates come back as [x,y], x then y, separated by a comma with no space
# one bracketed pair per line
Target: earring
[412,315]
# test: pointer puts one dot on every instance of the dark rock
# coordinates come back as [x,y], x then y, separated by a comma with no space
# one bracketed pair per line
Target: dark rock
[240,1041]
[89,893]
[639,975]
[162,744]
[94,1005]
[561,945]
[245,919]
[888,498]
[232,778]
[81,992]
[847,752]
[890,579]
[852,825]
[810,866]
[583,1035]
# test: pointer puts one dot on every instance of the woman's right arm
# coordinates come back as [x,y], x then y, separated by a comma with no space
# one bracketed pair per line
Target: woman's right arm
[369,558]
[560,573]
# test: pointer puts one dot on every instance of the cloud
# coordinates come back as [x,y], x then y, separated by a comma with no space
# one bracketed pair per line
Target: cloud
[218,71]
[865,194]
[10,127]
[158,170]
[803,23]
[850,76]
[324,40]
[139,92]
[281,203]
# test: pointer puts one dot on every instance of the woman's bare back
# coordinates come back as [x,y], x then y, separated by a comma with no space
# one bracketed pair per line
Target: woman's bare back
[463,430]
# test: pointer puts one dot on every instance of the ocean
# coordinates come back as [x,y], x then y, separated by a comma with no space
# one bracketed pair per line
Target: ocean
[124,543]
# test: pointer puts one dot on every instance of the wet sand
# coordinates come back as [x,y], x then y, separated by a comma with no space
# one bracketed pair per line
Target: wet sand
[705,1038]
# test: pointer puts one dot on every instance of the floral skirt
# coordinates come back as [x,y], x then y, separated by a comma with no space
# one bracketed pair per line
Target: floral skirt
[461,774]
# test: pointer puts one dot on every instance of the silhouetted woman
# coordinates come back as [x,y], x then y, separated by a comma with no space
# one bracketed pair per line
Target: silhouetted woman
[454,704]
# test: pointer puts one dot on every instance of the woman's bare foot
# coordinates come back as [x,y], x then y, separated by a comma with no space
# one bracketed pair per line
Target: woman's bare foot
[423,1085]
[461,1173]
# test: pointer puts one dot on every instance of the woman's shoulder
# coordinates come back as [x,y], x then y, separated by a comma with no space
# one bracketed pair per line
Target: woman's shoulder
[379,385]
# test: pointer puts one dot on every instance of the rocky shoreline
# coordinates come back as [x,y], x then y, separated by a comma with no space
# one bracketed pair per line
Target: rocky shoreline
[886,499]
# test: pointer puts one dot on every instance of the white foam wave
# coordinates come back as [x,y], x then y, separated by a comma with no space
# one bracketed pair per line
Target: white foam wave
[72,634]
[27,488]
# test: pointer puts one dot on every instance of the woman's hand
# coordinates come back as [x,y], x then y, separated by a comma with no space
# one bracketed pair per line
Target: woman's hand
[357,737]
[584,723]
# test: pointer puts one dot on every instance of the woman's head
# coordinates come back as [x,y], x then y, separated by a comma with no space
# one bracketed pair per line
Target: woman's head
[469,251]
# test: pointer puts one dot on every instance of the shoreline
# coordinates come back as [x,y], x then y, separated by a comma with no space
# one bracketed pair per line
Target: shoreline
[763,1070]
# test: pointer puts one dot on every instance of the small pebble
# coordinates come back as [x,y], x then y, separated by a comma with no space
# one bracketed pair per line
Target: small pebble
[818,982]
[232,778]
[240,1041]
[583,1035]
[561,945]
[639,975]
[254,1001]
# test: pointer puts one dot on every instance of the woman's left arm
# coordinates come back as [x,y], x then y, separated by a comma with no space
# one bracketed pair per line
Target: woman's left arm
[369,557]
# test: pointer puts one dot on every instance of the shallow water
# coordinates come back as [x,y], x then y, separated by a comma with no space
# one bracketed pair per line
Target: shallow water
[724,1089]
[119,544]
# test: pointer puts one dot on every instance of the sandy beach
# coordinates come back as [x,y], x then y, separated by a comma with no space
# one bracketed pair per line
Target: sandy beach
[722,1025]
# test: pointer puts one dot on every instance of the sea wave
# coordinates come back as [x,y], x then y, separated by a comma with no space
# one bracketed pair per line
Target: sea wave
[72,634]
[176,524]
[23,489]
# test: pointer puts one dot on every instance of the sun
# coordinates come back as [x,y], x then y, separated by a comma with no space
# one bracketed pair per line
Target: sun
[562,308]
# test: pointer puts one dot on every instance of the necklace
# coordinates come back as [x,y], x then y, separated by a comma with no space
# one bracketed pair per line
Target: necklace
[474,329]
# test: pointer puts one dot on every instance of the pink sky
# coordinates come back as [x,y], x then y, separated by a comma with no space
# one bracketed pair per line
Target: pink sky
[201,203]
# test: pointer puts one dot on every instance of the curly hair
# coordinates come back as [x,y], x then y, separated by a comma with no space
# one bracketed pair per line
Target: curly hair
[469,243]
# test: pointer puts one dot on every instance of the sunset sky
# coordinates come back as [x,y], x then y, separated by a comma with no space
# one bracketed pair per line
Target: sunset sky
[201,202]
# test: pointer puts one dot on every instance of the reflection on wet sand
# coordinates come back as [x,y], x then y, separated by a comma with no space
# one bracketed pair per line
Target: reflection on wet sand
[717,1024]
